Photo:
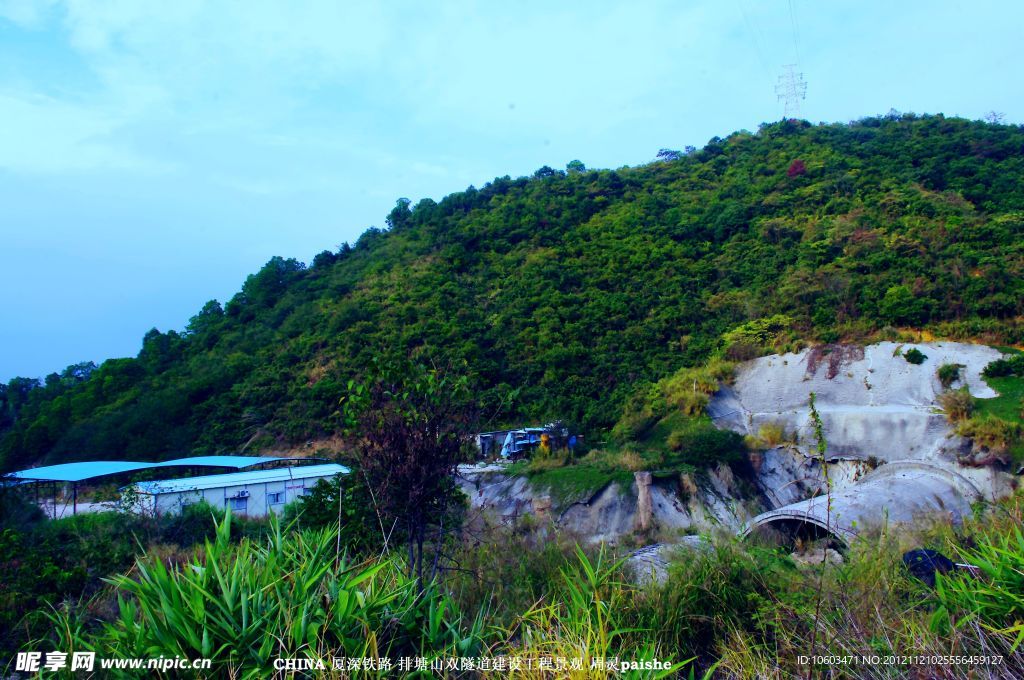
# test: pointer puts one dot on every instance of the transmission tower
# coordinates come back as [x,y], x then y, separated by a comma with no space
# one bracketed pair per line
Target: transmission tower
[791,89]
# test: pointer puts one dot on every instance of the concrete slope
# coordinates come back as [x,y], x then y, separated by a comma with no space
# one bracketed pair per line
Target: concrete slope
[873,403]
[878,411]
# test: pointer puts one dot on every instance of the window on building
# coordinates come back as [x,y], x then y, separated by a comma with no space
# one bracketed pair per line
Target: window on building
[238,503]
[275,498]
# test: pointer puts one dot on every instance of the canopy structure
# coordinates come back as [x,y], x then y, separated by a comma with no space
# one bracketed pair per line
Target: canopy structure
[80,472]
[75,473]
[237,462]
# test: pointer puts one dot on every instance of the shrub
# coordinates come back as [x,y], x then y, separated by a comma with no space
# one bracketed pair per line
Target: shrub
[958,404]
[990,432]
[706,444]
[687,390]
[761,333]
[948,374]
[742,350]
[360,526]
[915,356]
[708,593]
[772,434]
[1001,368]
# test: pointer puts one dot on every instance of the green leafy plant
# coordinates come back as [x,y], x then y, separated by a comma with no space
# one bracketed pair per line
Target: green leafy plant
[241,605]
[948,374]
[914,356]
[994,596]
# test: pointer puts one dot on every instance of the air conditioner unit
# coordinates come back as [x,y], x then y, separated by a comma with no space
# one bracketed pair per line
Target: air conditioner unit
[242,494]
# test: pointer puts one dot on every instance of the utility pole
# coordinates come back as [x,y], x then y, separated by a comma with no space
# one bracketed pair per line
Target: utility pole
[791,89]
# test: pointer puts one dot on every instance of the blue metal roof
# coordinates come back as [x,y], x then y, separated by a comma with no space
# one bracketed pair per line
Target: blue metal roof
[78,472]
[237,462]
[240,478]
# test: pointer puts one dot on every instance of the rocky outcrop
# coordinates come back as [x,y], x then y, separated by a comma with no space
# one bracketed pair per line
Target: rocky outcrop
[677,506]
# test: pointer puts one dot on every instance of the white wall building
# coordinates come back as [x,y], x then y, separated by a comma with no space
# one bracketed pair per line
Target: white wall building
[254,493]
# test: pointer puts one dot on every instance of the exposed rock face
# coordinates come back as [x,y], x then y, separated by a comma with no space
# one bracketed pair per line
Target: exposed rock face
[711,502]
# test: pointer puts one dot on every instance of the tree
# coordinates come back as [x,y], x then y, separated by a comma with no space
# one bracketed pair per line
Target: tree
[408,426]
[207,318]
[900,305]
[575,167]
[400,215]
[352,512]
[324,258]
[669,155]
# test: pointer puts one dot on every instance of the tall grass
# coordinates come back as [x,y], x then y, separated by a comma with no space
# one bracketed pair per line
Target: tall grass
[244,605]
[745,610]
[585,622]
[994,596]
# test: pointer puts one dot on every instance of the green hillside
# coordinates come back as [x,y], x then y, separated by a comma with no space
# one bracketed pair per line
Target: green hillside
[565,291]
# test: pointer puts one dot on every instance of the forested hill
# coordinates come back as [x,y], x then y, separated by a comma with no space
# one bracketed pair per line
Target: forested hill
[565,290]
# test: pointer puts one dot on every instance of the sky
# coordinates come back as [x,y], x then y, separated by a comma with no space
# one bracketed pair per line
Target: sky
[154,154]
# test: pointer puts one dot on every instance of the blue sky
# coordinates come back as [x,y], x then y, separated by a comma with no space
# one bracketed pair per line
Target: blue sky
[154,154]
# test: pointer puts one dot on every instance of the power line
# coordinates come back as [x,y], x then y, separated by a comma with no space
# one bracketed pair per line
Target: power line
[796,32]
[755,37]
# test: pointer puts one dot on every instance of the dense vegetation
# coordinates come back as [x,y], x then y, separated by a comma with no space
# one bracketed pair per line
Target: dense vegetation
[566,291]
[745,610]
[46,562]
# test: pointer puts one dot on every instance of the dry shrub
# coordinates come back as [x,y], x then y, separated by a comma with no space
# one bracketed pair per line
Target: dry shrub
[628,458]
[742,350]
[543,463]
[772,434]
[693,403]
[631,460]
[958,404]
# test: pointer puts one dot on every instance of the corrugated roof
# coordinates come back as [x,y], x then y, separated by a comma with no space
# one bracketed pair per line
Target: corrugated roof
[240,478]
[81,471]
